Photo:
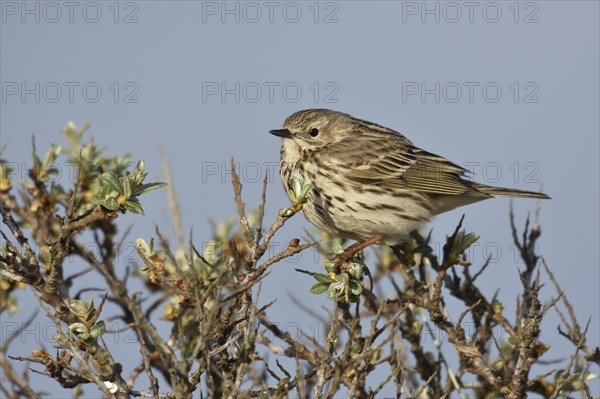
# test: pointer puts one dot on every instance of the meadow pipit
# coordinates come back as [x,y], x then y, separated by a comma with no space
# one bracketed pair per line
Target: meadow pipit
[368,180]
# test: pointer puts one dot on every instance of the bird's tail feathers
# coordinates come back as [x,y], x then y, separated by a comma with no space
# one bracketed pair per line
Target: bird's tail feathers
[510,192]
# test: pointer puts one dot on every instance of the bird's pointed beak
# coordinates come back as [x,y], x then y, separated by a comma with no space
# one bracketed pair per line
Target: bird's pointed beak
[283,133]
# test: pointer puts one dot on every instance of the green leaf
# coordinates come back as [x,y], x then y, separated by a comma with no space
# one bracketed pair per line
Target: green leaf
[72,136]
[109,203]
[462,242]
[46,254]
[112,204]
[355,287]
[133,207]
[45,170]
[332,291]
[297,187]
[86,338]
[140,166]
[468,240]
[319,288]
[355,270]
[77,329]
[98,329]
[144,188]
[59,338]
[111,179]
[143,246]
[343,278]
[79,308]
[322,278]
[107,191]
[126,187]
[305,190]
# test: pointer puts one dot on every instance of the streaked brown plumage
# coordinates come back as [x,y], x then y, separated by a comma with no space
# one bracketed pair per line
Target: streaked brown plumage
[370,180]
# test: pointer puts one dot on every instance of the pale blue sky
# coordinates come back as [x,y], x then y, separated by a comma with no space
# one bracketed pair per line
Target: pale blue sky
[517,99]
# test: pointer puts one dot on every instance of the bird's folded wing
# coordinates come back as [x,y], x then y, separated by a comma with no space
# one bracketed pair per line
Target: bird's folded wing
[397,164]
[434,174]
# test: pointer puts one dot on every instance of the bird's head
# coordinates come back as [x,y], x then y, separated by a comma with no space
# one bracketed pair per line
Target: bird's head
[312,129]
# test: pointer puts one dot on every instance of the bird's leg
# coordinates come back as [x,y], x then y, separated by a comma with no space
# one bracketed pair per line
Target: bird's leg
[349,252]
[370,277]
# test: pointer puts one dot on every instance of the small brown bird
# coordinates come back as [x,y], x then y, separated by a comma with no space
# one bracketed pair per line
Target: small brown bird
[368,180]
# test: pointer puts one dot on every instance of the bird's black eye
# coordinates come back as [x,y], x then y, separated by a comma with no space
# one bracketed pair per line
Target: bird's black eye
[314,132]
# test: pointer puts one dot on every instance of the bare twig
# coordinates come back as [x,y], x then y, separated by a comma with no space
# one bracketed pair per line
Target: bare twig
[8,372]
[172,198]
[562,378]
[237,191]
